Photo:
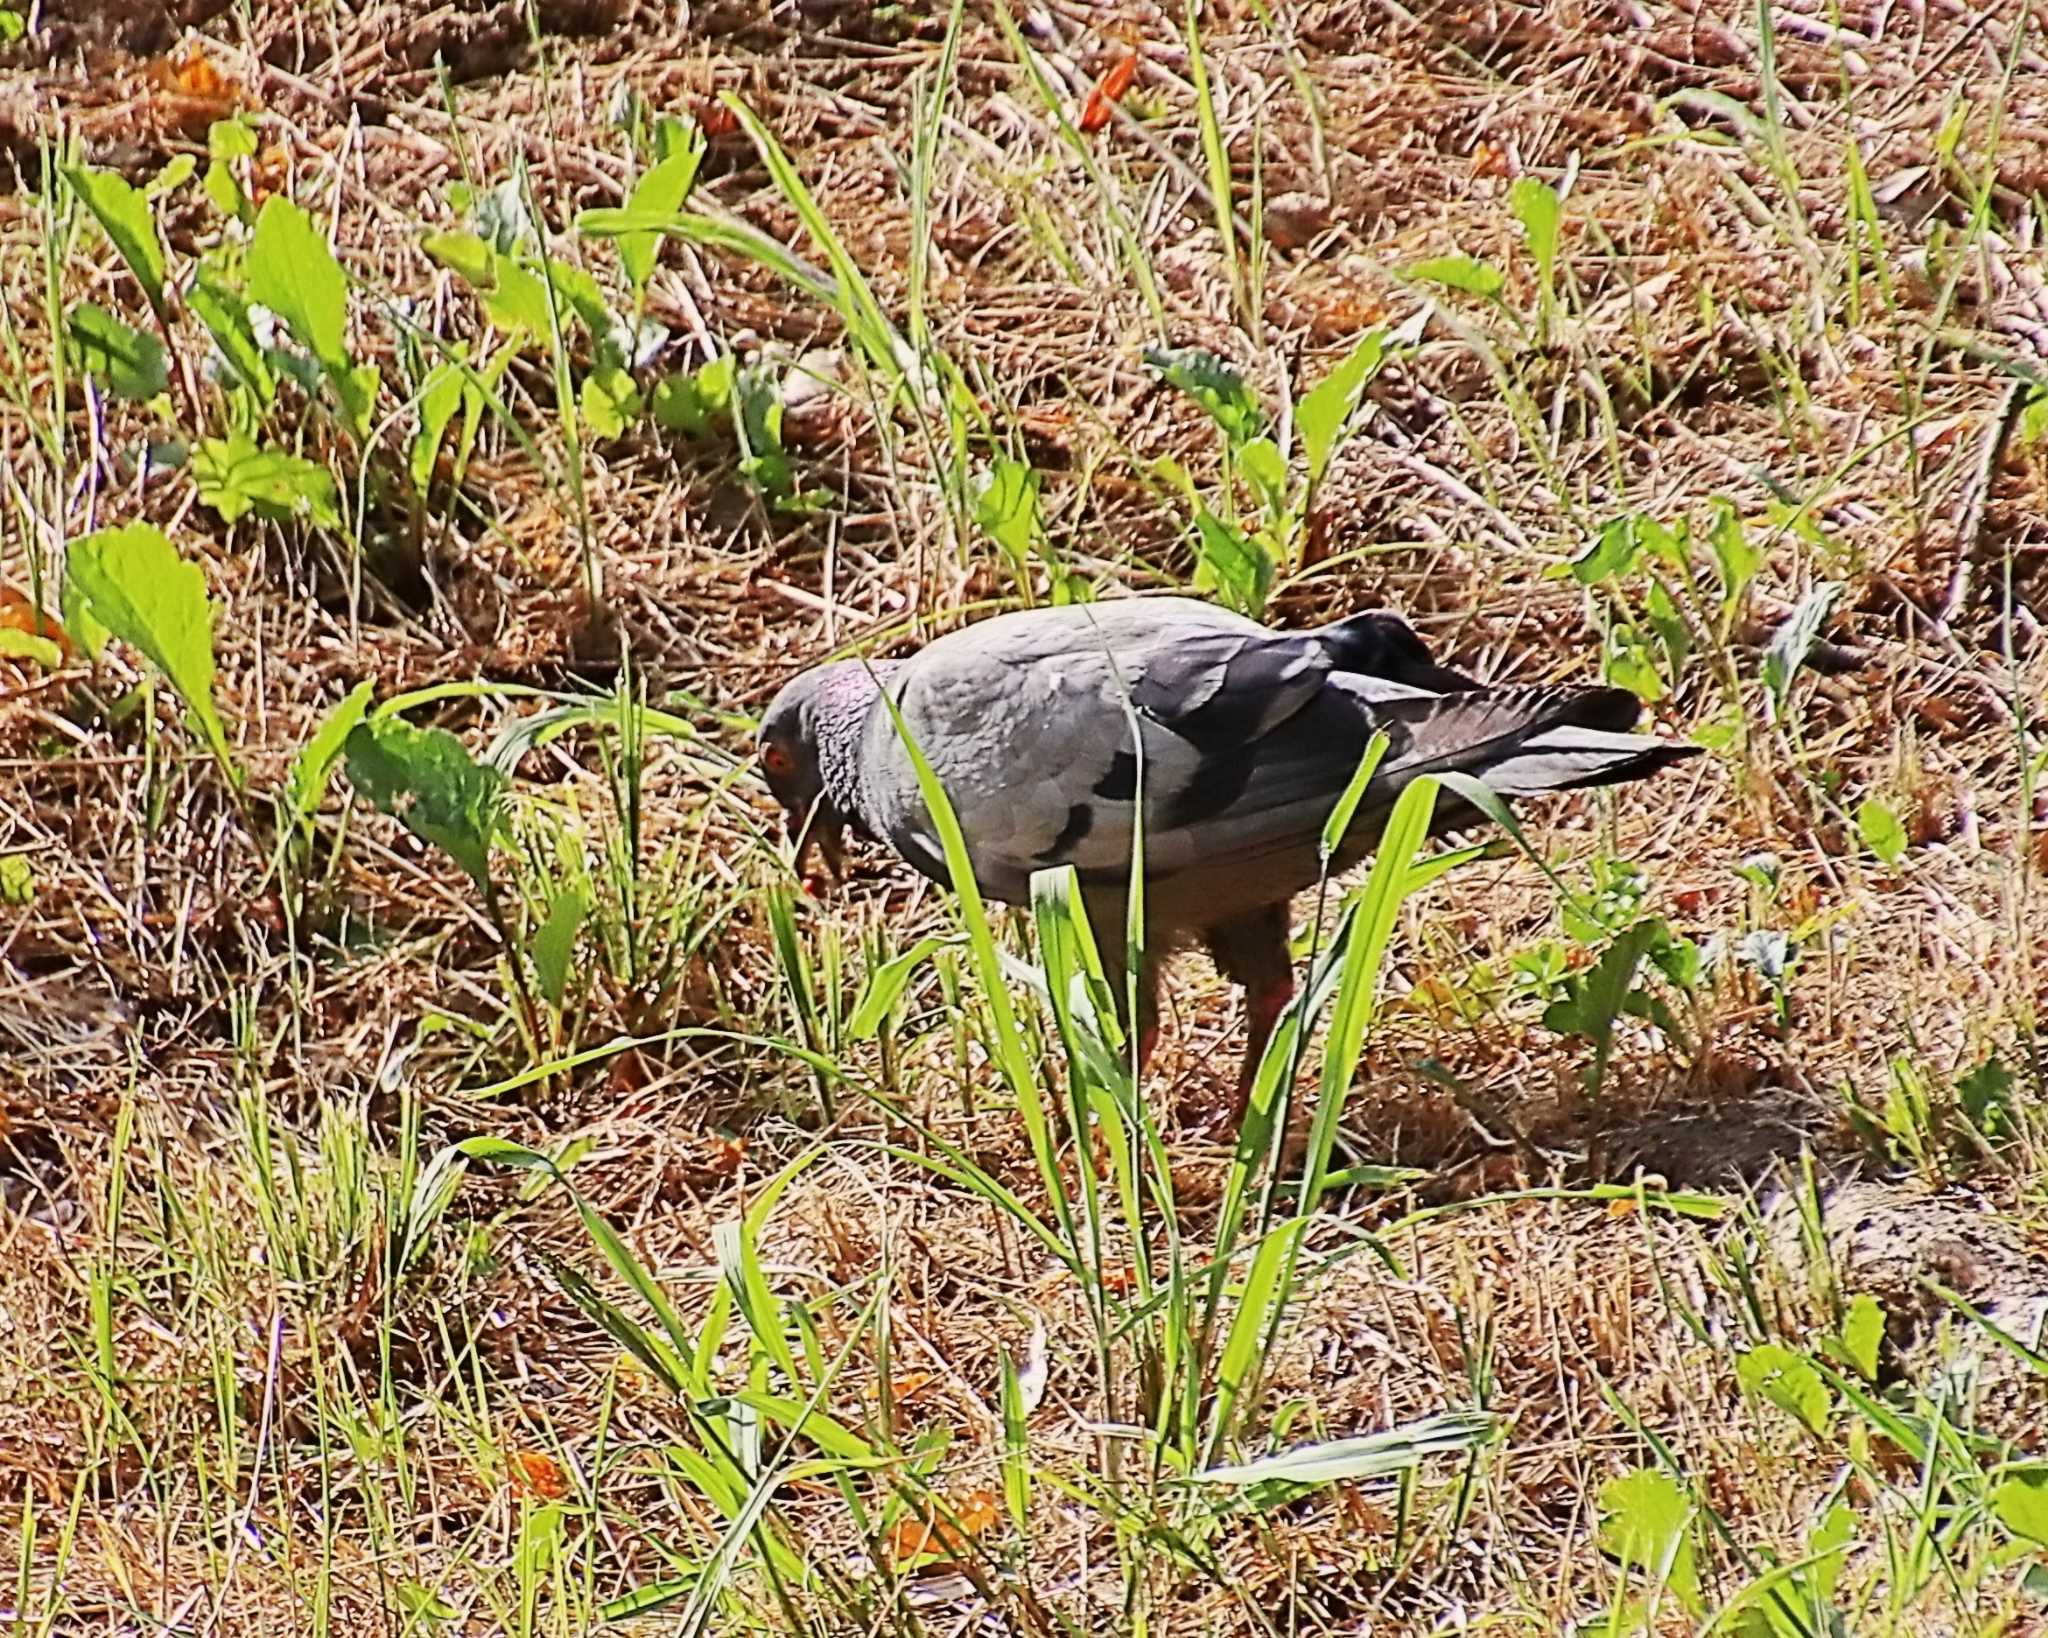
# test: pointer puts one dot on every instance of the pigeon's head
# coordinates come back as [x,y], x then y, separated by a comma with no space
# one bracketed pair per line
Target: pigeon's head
[810,755]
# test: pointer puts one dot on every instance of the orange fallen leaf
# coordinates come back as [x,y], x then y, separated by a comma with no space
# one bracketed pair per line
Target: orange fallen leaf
[195,75]
[18,612]
[909,1385]
[714,119]
[1488,160]
[726,1155]
[195,92]
[1625,1206]
[948,1537]
[1346,315]
[537,1471]
[977,1510]
[1114,84]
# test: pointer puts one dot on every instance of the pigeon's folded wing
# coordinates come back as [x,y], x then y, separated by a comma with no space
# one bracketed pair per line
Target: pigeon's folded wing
[1044,750]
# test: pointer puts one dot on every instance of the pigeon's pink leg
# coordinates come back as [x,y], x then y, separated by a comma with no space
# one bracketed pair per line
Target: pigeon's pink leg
[1263,1007]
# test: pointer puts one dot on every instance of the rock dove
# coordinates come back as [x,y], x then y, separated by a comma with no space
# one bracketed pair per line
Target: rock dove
[1045,725]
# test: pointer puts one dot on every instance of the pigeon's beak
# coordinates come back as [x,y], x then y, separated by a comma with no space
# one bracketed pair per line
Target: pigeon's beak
[825,828]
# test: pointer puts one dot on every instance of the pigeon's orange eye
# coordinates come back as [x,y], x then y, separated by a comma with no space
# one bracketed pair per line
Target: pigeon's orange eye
[776,759]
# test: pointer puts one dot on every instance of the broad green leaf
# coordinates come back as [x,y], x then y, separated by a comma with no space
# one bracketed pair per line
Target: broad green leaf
[17,879]
[1881,831]
[763,461]
[660,192]
[171,178]
[1670,626]
[583,296]
[465,254]
[1597,1000]
[1827,1546]
[440,396]
[233,138]
[1646,1522]
[1232,562]
[1863,1334]
[1006,506]
[135,585]
[1369,1456]
[355,389]
[1986,1095]
[1466,273]
[1613,553]
[124,214]
[697,403]
[1735,559]
[426,779]
[1630,663]
[225,313]
[2020,1503]
[1213,384]
[128,360]
[292,271]
[1539,210]
[313,767]
[1789,1381]
[225,193]
[517,300]
[1265,469]
[609,401]
[236,477]
[512,296]
[26,645]
[2032,426]
[1326,409]
[555,943]
[1795,638]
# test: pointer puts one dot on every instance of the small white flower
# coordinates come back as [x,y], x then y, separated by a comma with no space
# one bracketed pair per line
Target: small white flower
[265,326]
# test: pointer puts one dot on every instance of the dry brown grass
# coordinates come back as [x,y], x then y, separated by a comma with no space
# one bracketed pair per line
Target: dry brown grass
[198,1436]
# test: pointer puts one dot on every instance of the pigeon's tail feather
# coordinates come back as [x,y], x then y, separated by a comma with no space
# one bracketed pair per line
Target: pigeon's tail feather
[1569,759]
[1526,741]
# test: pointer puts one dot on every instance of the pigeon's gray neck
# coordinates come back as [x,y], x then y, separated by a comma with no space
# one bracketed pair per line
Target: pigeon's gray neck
[839,719]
